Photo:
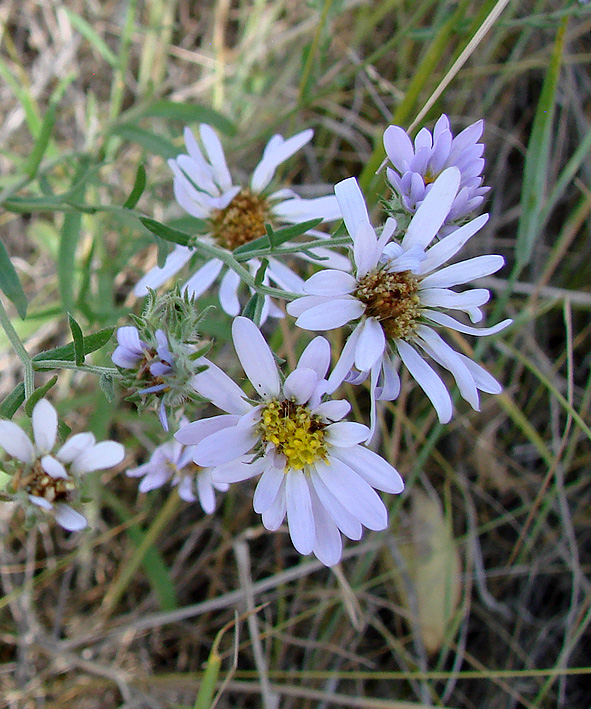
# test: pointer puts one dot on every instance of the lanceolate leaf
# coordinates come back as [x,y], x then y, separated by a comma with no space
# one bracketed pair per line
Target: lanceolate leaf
[10,283]
[166,232]
[90,343]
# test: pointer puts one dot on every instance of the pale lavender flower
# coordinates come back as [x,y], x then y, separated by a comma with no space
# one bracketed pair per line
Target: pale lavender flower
[417,166]
[50,480]
[159,369]
[172,463]
[397,294]
[236,215]
[312,467]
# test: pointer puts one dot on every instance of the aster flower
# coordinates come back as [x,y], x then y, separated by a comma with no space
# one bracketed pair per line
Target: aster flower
[172,462]
[236,215]
[398,295]
[153,369]
[416,167]
[48,480]
[311,465]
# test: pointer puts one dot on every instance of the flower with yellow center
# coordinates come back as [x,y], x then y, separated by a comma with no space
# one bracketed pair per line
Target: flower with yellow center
[312,467]
[396,292]
[237,214]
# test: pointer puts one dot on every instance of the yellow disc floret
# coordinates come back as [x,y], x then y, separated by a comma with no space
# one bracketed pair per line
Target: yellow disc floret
[294,432]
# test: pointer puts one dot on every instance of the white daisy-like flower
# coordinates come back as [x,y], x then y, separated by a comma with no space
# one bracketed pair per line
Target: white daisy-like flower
[415,167]
[312,467]
[236,215]
[172,463]
[398,295]
[50,480]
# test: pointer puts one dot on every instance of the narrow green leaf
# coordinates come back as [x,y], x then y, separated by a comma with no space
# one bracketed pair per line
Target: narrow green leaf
[190,113]
[138,188]
[151,142]
[10,283]
[39,394]
[91,343]
[27,101]
[78,338]
[66,261]
[533,194]
[208,684]
[107,385]
[42,141]
[11,403]
[276,238]
[92,37]
[166,232]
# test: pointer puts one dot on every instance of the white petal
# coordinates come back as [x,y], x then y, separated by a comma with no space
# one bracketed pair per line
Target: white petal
[316,356]
[329,545]
[216,156]
[44,421]
[216,386]
[300,305]
[41,502]
[333,410]
[256,358]
[99,457]
[300,210]
[370,346]
[352,205]
[205,491]
[446,356]
[284,277]
[366,251]
[345,362]
[331,315]
[68,518]
[346,433]
[354,494]
[175,260]
[447,321]
[275,153]
[433,210]
[195,432]
[300,385]
[448,247]
[225,445]
[74,446]
[464,271]
[469,301]
[16,442]
[372,468]
[228,293]
[203,278]
[238,470]
[330,282]
[273,517]
[427,379]
[53,467]
[299,512]
[349,525]
[267,489]
[484,381]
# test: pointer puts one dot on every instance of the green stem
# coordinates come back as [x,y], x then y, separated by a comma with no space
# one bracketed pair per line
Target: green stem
[20,350]
[43,364]
[227,258]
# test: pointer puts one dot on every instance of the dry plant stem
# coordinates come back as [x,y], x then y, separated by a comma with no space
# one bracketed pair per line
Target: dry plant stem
[20,350]
[270,699]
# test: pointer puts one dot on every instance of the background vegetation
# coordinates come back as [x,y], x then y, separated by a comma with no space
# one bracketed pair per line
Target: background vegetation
[479,594]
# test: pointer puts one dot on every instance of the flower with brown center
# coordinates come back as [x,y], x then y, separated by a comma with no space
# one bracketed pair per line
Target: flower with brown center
[236,215]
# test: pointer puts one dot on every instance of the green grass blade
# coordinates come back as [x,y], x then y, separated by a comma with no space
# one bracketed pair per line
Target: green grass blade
[537,161]
[91,36]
